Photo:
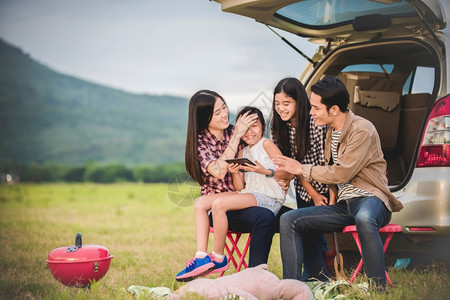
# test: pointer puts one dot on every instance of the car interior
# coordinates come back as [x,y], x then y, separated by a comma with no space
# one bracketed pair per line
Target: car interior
[383,86]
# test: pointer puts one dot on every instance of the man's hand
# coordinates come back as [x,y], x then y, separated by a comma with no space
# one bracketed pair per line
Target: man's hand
[289,165]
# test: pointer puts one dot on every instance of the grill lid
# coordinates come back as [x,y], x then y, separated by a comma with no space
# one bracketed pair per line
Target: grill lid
[78,253]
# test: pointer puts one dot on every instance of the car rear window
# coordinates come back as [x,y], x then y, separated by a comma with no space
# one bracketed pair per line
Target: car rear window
[386,68]
[329,13]
[420,81]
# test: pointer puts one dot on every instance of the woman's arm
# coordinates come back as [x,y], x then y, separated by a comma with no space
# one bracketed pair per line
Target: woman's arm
[219,167]
[317,197]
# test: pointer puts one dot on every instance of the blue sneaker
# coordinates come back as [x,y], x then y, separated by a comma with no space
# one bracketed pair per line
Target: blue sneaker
[196,267]
[219,266]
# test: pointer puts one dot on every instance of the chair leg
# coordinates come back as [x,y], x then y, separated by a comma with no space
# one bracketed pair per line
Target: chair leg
[233,248]
[360,264]
[230,252]
[389,236]
[242,256]
[234,244]
[389,281]
[358,268]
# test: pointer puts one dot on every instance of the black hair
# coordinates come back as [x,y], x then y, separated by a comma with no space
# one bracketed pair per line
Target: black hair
[333,92]
[201,107]
[253,110]
[292,87]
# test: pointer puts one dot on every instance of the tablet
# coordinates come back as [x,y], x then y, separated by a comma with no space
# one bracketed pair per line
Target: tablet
[240,161]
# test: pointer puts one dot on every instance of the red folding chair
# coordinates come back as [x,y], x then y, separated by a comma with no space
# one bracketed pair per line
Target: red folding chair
[387,230]
[232,249]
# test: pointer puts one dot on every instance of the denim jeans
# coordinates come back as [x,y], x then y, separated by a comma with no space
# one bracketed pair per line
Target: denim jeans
[323,243]
[259,222]
[299,241]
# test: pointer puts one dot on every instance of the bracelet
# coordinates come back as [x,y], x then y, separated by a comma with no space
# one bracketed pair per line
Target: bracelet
[272,172]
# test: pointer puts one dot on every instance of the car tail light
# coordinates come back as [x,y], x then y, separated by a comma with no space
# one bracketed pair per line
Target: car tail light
[435,149]
[420,229]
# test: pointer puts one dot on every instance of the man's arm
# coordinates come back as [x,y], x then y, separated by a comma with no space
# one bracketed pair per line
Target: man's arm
[350,162]
[348,165]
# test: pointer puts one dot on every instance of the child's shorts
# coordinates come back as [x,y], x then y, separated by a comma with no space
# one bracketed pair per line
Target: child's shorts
[270,203]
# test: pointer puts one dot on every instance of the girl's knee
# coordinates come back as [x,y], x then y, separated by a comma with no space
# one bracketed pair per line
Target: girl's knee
[218,206]
[200,204]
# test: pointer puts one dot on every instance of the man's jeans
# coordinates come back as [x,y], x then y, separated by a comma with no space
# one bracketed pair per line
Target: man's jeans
[323,243]
[300,242]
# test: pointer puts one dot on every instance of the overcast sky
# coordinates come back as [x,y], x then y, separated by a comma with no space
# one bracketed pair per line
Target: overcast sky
[154,46]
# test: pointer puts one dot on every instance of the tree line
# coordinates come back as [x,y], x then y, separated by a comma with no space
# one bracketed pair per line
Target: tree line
[91,172]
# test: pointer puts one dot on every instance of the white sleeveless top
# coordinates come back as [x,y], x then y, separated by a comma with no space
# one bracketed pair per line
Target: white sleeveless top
[259,183]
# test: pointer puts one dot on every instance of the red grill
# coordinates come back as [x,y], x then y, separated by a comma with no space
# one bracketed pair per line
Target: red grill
[79,265]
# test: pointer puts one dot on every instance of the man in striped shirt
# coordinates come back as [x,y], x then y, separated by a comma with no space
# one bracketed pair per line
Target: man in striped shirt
[355,167]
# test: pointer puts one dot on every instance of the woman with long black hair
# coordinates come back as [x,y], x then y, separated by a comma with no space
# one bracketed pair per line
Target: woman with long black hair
[210,140]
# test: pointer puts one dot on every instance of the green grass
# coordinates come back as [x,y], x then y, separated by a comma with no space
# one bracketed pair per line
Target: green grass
[148,230]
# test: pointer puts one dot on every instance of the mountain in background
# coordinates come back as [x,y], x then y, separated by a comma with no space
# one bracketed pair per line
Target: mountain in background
[46,117]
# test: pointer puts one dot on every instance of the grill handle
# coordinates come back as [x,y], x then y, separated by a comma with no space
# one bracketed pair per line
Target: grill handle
[78,244]
[78,240]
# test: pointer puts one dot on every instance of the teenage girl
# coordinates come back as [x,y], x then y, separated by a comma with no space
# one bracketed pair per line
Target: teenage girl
[298,137]
[296,134]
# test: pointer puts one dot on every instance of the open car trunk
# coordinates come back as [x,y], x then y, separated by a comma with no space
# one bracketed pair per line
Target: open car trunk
[381,50]
[382,81]
[393,84]
[392,56]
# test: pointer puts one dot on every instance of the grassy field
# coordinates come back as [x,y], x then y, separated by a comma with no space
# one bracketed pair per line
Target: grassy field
[148,228]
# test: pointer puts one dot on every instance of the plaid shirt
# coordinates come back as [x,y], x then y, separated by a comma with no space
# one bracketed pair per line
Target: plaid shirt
[314,156]
[209,150]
